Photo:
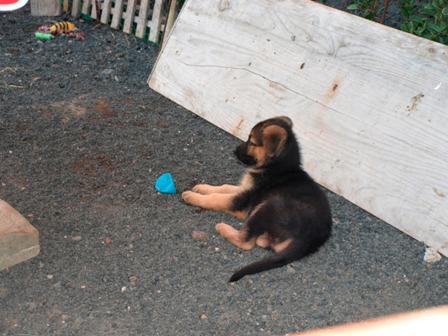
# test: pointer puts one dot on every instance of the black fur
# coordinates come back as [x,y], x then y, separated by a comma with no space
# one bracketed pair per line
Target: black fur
[284,201]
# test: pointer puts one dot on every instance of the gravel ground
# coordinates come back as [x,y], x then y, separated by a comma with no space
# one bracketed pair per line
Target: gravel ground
[82,139]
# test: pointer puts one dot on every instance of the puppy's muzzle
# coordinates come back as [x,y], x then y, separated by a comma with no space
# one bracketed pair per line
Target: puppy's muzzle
[241,155]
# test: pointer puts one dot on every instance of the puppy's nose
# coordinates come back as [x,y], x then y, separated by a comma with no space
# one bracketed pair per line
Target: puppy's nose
[241,149]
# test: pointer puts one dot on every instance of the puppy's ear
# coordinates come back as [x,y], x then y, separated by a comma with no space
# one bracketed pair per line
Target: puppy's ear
[287,120]
[274,139]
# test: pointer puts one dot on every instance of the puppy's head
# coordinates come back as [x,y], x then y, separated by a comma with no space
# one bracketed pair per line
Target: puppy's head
[266,143]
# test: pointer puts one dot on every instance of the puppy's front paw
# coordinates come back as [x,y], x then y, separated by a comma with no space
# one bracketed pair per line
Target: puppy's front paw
[201,188]
[189,197]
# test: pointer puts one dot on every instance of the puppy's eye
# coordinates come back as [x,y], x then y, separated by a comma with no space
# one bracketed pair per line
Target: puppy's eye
[253,144]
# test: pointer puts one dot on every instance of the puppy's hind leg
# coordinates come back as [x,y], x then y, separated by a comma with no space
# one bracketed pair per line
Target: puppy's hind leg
[239,238]
[263,241]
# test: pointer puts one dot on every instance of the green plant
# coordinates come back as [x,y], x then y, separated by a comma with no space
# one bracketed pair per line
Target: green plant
[180,3]
[365,8]
[428,19]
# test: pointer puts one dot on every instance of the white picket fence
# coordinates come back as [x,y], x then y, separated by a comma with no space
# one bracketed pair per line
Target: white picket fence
[131,16]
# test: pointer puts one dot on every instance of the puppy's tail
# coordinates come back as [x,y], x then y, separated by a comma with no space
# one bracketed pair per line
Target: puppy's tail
[293,252]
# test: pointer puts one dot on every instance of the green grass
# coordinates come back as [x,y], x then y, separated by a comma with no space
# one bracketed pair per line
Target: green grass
[369,9]
[428,19]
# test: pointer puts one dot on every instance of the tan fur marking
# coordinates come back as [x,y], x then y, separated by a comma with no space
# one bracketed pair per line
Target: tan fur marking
[260,153]
[263,241]
[258,207]
[274,138]
[278,247]
[247,182]
[217,202]
[206,189]
[235,237]
[257,152]
[241,215]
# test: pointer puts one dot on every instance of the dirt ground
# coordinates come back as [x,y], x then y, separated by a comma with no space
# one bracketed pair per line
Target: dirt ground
[82,139]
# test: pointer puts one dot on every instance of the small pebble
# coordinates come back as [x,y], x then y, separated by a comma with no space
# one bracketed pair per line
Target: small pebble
[49,276]
[123,289]
[203,317]
[3,292]
[431,255]
[199,235]
[107,241]
[76,238]
[133,280]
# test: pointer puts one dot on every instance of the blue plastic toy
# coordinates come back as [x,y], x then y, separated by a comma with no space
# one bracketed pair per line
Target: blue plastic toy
[165,184]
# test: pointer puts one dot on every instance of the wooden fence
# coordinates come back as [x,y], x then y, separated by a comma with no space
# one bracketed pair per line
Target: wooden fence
[131,16]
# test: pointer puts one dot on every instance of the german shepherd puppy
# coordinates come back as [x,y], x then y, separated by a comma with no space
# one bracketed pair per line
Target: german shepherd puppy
[282,207]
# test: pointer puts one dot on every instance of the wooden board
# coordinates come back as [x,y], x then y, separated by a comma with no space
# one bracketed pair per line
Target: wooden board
[46,7]
[369,103]
[19,240]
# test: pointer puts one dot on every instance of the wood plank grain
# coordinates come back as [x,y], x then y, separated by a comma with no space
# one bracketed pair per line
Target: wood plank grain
[65,6]
[171,17]
[142,19]
[117,14]
[86,6]
[76,8]
[94,13]
[369,103]
[45,7]
[105,13]
[156,20]
[129,16]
